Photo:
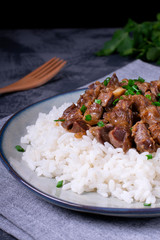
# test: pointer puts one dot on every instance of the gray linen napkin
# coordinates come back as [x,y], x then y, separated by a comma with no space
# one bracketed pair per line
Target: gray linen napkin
[28,217]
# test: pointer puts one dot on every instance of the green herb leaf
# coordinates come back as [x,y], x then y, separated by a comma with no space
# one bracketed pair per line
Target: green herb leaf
[106,81]
[131,82]
[115,101]
[88,117]
[100,124]
[148,96]
[140,40]
[149,156]
[121,97]
[83,109]
[59,120]
[153,54]
[98,101]
[156,103]
[147,204]
[59,184]
[19,148]
[140,79]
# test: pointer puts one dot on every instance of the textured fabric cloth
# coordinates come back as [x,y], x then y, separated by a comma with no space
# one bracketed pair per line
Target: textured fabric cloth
[28,217]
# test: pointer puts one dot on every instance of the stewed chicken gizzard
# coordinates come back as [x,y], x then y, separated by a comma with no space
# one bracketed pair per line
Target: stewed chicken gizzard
[124,113]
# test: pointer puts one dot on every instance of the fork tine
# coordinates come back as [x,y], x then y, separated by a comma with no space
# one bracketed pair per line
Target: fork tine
[41,67]
[50,74]
[49,68]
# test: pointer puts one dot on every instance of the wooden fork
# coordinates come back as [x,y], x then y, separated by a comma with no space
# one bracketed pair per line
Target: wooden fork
[36,78]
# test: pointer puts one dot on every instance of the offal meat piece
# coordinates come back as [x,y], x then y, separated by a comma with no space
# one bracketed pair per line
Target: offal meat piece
[90,95]
[106,96]
[140,102]
[111,109]
[72,112]
[150,95]
[113,82]
[79,126]
[121,114]
[143,87]
[102,133]
[155,132]
[150,115]
[73,121]
[120,137]
[144,141]
[155,87]
[95,110]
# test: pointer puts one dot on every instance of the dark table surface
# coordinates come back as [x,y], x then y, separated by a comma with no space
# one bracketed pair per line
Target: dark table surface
[22,50]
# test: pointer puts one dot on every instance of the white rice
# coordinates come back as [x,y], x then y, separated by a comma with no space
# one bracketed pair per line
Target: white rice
[85,165]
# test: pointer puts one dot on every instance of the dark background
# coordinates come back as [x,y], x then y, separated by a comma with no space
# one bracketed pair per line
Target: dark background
[76,14]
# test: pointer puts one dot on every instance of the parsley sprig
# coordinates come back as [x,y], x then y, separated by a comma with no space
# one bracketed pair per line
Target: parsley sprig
[139,40]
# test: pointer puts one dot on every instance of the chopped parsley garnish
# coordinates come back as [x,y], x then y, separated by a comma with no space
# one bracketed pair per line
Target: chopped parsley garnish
[59,120]
[140,79]
[106,81]
[98,101]
[156,103]
[100,124]
[19,148]
[59,184]
[149,156]
[147,204]
[121,97]
[88,117]
[83,109]
[115,101]
[148,96]
[132,88]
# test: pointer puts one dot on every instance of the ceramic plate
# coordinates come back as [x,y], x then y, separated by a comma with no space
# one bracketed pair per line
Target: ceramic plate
[10,135]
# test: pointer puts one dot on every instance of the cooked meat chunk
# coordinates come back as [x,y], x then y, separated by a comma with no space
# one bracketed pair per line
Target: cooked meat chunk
[95,110]
[113,82]
[150,115]
[101,133]
[140,102]
[90,95]
[124,82]
[144,87]
[75,125]
[68,124]
[155,87]
[79,126]
[110,109]
[144,141]
[150,95]
[155,132]
[120,137]
[121,114]
[106,97]
[72,112]
[119,117]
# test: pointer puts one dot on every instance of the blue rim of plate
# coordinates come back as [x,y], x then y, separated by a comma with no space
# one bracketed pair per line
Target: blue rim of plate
[108,211]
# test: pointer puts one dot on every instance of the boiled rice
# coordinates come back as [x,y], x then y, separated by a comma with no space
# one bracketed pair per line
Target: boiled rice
[86,165]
